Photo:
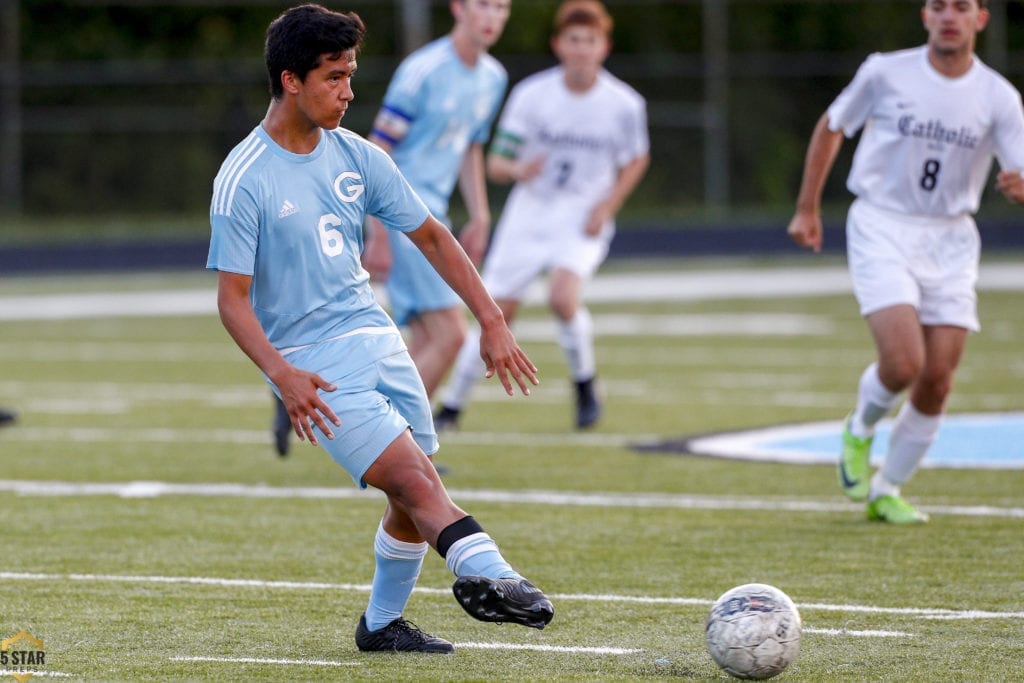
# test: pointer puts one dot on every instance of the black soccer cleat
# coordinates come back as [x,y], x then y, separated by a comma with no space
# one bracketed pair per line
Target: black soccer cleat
[282,427]
[503,600]
[588,407]
[446,419]
[399,636]
[7,417]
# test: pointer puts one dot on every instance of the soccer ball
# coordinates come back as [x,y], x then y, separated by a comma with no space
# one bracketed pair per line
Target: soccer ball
[753,631]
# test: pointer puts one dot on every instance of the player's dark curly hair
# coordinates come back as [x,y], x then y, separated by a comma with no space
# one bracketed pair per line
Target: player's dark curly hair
[300,36]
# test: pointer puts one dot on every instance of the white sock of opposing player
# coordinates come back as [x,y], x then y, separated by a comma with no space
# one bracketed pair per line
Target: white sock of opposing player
[576,337]
[469,368]
[874,401]
[913,433]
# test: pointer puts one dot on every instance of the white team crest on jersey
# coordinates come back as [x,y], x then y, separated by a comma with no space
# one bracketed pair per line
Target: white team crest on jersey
[348,186]
[287,209]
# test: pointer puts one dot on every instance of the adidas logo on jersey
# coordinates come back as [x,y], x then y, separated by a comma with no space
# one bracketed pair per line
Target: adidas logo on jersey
[287,209]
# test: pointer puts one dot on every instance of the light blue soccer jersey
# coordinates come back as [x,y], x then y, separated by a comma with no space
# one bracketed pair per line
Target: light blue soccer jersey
[443,106]
[294,222]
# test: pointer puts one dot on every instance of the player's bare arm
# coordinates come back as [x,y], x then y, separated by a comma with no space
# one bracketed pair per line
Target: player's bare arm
[1011,184]
[629,177]
[376,257]
[503,169]
[299,389]
[805,227]
[498,346]
[472,185]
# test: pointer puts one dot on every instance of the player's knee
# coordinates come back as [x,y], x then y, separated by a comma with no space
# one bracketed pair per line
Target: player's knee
[417,489]
[933,389]
[563,306]
[900,372]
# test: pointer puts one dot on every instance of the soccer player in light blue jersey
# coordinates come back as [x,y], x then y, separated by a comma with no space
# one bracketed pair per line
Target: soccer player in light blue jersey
[435,119]
[287,216]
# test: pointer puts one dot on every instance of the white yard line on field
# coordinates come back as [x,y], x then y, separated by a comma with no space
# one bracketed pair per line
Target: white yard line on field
[918,612]
[258,660]
[154,489]
[700,284]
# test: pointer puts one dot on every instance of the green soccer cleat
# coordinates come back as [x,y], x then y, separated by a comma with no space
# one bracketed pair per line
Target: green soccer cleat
[894,510]
[853,467]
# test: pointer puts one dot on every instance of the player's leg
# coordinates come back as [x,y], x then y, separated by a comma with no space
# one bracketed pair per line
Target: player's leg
[944,263]
[918,421]
[487,586]
[468,370]
[513,262]
[576,339]
[281,427]
[421,300]
[888,295]
[899,343]
[398,551]
[7,416]
[434,342]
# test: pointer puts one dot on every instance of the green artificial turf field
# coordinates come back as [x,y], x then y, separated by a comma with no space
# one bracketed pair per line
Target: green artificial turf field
[150,532]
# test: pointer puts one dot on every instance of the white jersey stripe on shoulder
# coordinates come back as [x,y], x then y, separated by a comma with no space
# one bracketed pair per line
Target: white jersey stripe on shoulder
[241,173]
[232,186]
[227,170]
[421,66]
[253,147]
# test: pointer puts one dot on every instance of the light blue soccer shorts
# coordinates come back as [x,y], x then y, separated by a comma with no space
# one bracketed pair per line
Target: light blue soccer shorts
[413,286]
[376,400]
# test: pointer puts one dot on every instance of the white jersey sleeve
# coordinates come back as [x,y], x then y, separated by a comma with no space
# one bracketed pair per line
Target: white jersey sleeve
[1009,131]
[851,109]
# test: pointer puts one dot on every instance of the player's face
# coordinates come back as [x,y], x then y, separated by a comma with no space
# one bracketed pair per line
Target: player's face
[953,24]
[325,95]
[581,49]
[483,20]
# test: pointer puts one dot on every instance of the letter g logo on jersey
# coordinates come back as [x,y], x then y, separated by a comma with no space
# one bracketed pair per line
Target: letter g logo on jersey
[348,186]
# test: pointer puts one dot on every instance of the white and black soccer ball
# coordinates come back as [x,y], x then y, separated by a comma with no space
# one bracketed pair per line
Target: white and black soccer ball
[753,631]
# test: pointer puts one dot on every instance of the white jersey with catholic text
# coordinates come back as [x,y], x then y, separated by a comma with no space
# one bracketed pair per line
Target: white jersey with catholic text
[928,141]
[584,138]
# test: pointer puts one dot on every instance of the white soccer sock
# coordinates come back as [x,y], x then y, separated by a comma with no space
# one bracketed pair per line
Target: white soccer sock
[469,368]
[913,433]
[874,401]
[576,337]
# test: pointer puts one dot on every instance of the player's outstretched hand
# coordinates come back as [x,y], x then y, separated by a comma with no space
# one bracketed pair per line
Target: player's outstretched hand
[1011,184]
[305,405]
[505,359]
[805,230]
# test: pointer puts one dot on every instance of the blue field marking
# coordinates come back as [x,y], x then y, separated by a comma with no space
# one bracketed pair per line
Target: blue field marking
[974,440]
